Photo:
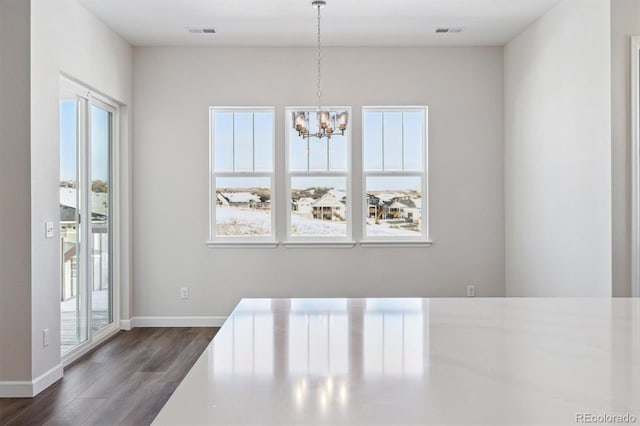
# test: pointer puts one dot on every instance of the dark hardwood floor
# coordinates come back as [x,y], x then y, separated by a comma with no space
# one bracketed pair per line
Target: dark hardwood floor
[126,381]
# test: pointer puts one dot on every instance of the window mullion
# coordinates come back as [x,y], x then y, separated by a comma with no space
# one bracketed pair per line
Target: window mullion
[402,139]
[382,138]
[318,173]
[392,174]
[242,174]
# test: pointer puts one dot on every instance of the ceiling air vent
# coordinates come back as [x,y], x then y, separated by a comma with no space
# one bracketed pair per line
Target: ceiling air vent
[202,30]
[446,30]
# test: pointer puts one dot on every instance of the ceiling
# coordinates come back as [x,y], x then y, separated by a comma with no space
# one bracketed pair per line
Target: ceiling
[293,22]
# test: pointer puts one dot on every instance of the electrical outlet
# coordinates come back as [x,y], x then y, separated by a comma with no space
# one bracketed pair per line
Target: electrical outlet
[48,230]
[471,291]
[184,292]
[45,337]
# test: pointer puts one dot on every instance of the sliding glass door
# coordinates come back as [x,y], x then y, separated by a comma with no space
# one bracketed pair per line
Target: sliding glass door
[100,206]
[86,203]
[73,296]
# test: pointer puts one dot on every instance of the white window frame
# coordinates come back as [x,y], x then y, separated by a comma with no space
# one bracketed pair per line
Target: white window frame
[635,165]
[318,241]
[269,241]
[381,241]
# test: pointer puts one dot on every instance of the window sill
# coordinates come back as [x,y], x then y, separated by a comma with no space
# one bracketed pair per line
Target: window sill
[319,244]
[396,243]
[242,244]
[316,244]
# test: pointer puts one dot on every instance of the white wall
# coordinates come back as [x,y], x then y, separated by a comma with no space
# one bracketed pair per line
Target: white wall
[173,88]
[15,232]
[558,154]
[625,23]
[66,38]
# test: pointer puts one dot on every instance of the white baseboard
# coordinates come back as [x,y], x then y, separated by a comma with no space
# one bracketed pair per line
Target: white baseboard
[125,325]
[176,322]
[47,379]
[29,389]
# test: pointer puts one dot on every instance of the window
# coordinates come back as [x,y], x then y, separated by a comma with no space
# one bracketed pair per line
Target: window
[242,178]
[394,173]
[318,185]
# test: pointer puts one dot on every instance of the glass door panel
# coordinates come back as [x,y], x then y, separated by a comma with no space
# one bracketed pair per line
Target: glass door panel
[86,240]
[73,296]
[100,250]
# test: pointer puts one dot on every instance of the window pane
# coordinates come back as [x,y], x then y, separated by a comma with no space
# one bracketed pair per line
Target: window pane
[68,143]
[243,141]
[372,140]
[313,122]
[338,154]
[243,206]
[317,155]
[298,152]
[413,140]
[392,140]
[318,151]
[319,206]
[100,218]
[223,137]
[394,206]
[73,325]
[263,141]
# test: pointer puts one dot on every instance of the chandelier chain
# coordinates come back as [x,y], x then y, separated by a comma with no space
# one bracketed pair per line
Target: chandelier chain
[329,122]
[319,64]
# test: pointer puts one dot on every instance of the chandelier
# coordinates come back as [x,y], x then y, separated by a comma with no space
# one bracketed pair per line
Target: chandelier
[328,122]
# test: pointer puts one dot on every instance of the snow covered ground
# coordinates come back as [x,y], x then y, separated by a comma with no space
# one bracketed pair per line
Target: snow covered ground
[305,225]
[233,221]
[385,229]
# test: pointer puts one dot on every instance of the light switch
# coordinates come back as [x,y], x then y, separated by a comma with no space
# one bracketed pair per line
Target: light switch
[48,229]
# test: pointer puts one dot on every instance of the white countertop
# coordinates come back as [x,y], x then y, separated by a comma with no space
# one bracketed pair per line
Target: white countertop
[466,361]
